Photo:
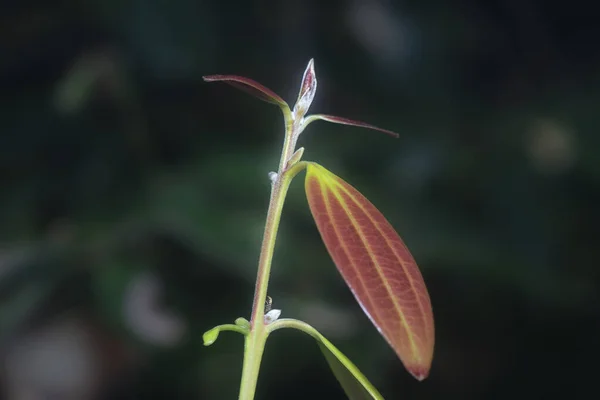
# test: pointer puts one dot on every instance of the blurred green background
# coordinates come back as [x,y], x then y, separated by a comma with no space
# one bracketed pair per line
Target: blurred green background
[133,195]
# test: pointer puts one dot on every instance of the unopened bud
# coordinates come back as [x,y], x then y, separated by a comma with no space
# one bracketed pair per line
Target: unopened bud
[272,316]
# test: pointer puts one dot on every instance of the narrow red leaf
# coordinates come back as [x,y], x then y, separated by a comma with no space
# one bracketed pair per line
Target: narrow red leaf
[376,265]
[346,121]
[249,86]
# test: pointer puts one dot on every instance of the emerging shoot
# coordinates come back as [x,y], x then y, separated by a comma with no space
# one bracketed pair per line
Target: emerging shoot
[370,256]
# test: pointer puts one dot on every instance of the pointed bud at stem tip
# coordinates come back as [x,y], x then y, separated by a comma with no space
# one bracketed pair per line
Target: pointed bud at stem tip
[307,91]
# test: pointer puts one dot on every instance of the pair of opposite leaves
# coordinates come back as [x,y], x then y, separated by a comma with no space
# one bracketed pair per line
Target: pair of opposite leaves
[369,254]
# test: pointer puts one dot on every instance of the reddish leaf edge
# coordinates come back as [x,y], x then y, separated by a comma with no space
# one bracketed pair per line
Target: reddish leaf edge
[347,121]
[249,86]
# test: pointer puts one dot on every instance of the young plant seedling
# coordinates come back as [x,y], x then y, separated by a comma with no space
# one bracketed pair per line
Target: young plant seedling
[368,253]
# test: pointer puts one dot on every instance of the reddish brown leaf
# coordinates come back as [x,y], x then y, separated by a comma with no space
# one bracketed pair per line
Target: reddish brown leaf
[376,265]
[346,121]
[249,86]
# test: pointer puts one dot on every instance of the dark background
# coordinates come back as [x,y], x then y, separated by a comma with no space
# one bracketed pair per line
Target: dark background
[133,195]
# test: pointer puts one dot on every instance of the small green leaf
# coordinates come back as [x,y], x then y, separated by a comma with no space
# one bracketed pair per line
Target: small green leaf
[211,336]
[355,384]
[243,323]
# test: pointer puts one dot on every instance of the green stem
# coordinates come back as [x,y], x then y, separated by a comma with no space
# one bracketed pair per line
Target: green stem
[255,341]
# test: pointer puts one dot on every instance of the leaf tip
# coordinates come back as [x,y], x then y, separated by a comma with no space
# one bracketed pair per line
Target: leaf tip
[419,372]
